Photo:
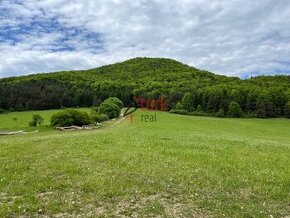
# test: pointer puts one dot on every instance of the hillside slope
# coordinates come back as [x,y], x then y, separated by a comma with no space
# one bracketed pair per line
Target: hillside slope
[149,78]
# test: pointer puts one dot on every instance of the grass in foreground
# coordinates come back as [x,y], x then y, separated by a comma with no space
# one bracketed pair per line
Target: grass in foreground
[179,166]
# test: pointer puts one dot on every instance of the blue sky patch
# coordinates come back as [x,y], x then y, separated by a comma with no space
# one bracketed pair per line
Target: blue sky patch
[235,38]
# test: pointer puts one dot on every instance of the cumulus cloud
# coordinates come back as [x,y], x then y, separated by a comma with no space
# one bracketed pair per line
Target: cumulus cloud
[239,38]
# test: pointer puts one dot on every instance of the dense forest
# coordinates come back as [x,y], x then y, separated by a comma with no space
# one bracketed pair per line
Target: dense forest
[185,88]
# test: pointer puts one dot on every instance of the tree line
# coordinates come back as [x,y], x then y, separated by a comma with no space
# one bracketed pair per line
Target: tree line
[185,89]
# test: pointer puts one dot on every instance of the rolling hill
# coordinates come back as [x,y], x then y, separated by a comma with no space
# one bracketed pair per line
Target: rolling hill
[264,96]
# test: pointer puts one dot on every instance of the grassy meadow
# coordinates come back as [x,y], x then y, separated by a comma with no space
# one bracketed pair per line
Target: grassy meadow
[20,120]
[178,166]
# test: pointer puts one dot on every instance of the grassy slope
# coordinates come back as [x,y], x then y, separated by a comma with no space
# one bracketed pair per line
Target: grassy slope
[180,166]
[20,120]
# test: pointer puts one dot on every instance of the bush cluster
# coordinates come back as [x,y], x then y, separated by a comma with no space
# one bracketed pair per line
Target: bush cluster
[70,117]
[110,108]
[98,118]
[234,109]
[179,111]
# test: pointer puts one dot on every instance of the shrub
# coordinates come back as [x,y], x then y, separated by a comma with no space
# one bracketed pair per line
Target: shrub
[100,117]
[111,109]
[179,111]
[235,110]
[178,106]
[94,110]
[220,113]
[36,120]
[185,112]
[199,113]
[70,117]
[116,101]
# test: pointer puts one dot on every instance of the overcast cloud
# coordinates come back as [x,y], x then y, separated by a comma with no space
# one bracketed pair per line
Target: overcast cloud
[241,38]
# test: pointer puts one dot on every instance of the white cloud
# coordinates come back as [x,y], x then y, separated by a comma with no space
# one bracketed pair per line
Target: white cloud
[227,37]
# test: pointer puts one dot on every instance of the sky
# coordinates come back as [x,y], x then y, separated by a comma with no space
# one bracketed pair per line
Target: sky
[232,37]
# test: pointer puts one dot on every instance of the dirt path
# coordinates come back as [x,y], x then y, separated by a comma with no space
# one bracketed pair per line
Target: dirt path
[118,121]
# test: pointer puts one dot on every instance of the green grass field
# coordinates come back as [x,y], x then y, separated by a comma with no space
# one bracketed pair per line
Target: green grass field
[20,120]
[179,166]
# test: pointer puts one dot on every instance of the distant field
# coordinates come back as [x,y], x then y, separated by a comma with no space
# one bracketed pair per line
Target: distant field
[178,166]
[20,120]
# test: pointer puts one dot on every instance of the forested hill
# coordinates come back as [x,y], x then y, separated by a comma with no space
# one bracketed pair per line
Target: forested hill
[181,85]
